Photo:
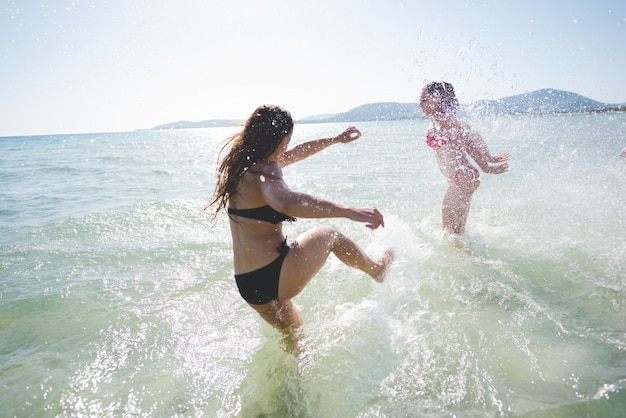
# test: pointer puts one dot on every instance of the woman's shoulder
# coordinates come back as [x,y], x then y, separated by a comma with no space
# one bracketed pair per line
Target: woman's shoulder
[267,168]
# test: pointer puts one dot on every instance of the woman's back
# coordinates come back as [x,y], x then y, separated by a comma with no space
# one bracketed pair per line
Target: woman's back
[254,241]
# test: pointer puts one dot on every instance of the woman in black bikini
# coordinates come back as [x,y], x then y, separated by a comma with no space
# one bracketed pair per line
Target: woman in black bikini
[250,185]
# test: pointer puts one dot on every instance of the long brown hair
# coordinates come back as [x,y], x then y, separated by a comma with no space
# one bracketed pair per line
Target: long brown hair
[263,132]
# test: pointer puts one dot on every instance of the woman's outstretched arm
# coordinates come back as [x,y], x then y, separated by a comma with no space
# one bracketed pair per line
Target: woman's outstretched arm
[281,198]
[306,149]
[478,150]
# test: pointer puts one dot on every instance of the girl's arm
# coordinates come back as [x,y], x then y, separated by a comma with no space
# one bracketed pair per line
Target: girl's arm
[306,149]
[278,195]
[478,150]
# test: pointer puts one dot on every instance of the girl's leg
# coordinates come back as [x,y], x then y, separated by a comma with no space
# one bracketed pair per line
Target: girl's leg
[309,253]
[455,210]
[456,201]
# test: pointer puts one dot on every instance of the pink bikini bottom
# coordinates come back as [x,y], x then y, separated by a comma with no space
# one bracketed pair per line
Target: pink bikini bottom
[456,177]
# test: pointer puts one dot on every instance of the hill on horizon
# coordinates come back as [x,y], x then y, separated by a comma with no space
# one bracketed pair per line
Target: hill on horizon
[372,112]
[183,124]
[544,101]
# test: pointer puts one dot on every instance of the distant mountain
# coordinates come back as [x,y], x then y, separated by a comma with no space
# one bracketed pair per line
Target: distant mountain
[317,118]
[372,112]
[543,101]
[210,123]
[539,102]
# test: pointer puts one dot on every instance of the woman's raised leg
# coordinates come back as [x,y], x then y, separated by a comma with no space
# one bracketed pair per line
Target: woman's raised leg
[308,255]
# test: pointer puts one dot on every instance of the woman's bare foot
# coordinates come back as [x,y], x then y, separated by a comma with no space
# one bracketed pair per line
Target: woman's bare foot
[378,272]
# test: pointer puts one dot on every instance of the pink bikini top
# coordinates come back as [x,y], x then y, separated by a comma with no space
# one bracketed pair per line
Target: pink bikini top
[436,142]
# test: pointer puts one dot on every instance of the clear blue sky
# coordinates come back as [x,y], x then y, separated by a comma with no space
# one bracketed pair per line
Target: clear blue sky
[97,66]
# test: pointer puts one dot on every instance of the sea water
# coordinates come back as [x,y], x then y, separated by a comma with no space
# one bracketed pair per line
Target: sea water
[117,296]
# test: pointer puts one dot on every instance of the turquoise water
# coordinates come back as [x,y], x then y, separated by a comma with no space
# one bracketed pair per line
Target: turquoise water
[117,297]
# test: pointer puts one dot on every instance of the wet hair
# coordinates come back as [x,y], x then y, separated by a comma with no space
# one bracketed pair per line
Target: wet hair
[449,102]
[262,133]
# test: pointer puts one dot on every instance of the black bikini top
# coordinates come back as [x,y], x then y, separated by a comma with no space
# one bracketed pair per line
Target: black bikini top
[264,213]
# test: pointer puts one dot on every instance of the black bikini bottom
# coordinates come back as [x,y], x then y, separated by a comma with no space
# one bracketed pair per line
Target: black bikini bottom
[260,286]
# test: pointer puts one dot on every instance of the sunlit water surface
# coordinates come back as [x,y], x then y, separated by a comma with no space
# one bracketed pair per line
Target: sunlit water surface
[117,297]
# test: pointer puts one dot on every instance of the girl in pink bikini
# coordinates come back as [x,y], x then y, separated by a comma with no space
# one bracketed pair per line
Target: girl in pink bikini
[452,141]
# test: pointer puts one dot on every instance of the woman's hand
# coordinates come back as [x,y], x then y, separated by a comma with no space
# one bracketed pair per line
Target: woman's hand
[349,135]
[501,158]
[501,167]
[371,216]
